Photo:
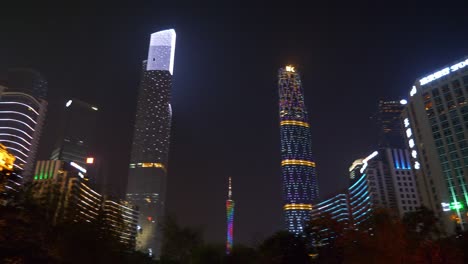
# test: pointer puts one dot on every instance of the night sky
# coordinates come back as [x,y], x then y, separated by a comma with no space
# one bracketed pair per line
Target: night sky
[225,97]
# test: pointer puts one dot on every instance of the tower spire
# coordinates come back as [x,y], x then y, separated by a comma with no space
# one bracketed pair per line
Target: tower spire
[230,189]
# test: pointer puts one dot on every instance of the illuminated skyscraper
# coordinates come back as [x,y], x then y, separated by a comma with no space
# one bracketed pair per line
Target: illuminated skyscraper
[230,219]
[148,165]
[300,187]
[436,126]
[22,114]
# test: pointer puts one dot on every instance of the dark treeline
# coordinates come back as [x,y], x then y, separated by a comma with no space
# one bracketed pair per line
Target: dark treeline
[27,236]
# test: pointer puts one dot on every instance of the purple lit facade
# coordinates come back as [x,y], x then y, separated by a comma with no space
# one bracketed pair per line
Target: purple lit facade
[300,187]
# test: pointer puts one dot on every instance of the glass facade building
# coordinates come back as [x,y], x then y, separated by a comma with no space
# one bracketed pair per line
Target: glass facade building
[150,148]
[436,129]
[77,136]
[300,188]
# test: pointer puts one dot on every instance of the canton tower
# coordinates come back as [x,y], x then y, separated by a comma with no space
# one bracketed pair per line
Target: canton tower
[146,186]
[300,187]
[230,219]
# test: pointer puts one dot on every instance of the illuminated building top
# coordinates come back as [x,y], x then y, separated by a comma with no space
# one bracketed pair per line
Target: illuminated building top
[438,74]
[161,51]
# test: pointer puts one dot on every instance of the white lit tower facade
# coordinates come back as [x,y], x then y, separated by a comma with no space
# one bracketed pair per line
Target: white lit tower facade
[23,108]
[300,188]
[149,157]
[436,130]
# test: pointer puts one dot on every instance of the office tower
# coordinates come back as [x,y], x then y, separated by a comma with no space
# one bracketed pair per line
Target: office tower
[389,124]
[121,220]
[353,206]
[22,114]
[300,187]
[393,183]
[436,126]
[63,188]
[77,134]
[149,157]
[230,219]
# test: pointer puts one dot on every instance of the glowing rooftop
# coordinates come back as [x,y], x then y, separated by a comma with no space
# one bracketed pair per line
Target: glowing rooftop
[161,51]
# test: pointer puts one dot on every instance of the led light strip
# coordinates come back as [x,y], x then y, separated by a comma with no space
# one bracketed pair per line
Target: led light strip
[29,107]
[297,207]
[294,123]
[298,162]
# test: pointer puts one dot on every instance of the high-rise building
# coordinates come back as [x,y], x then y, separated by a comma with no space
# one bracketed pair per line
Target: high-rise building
[121,220]
[77,135]
[389,124]
[63,187]
[230,219]
[22,114]
[149,157]
[436,126]
[300,187]
[354,205]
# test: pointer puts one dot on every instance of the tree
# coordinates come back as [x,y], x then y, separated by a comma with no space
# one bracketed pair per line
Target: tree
[179,243]
[284,247]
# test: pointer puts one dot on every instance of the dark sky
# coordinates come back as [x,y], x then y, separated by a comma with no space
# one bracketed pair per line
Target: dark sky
[225,109]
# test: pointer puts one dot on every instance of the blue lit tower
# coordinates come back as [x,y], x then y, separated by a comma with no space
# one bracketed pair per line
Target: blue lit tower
[300,187]
[148,160]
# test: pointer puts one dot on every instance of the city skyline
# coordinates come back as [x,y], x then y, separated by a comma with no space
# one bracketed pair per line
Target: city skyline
[225,115]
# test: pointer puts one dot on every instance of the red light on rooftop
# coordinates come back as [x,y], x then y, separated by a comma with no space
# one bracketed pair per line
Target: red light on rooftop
[90,160]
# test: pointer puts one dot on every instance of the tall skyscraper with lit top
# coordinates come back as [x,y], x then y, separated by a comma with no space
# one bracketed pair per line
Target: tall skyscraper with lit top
[230,219]
[300,187]
[149,157]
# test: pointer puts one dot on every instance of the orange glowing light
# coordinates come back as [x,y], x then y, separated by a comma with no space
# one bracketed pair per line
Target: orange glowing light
[89,160]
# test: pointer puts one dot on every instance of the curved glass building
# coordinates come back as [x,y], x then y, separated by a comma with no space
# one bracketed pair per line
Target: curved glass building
[22,114]
[150,148]
[300,187]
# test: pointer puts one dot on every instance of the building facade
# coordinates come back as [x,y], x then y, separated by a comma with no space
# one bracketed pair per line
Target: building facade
[150,148]
[389,124]
[63,187]
[300,188]
[77,136]
[121,220]
[436,126]
[22,115]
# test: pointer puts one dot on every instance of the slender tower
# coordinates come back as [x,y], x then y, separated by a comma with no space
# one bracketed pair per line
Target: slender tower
[298,167]
[230,219]
[150,148]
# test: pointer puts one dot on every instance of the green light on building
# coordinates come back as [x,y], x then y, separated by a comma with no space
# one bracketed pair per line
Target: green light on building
[456,206]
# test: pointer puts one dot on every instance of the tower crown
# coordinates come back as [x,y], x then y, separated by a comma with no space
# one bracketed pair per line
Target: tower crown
[290,68]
